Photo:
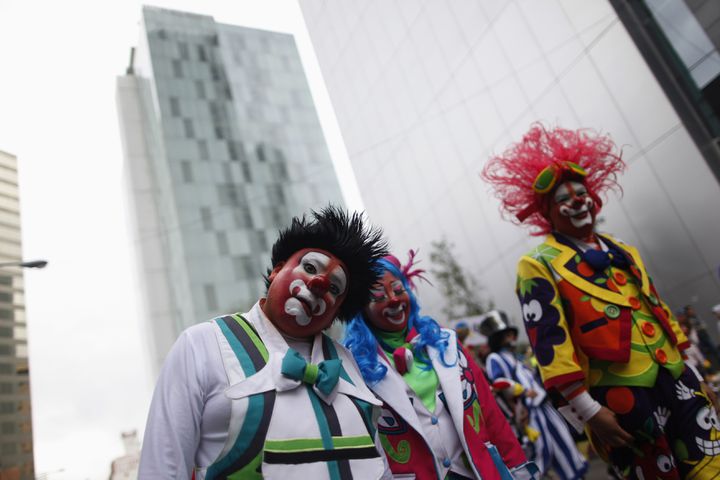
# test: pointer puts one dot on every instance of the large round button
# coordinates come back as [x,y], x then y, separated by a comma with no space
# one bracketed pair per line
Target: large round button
[634,303]
[661,356]
[648,329]
[434,420]
[447,463]
[620,278]
[612,311]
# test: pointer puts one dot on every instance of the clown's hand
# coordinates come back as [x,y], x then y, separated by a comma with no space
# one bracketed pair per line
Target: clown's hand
[605,427]
[682,391]
[661,417]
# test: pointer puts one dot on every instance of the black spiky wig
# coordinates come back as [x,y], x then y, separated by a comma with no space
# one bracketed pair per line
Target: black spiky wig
[358,245]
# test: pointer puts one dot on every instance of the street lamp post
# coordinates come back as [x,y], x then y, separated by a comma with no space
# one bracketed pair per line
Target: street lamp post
[26,264]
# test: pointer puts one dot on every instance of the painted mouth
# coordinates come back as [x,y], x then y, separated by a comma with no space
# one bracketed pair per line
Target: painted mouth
[395,315]
[708,447]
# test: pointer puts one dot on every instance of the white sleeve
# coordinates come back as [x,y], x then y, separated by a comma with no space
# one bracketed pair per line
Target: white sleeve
[172,432]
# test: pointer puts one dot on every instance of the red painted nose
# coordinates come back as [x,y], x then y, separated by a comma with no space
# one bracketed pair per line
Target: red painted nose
[394,302]
[319,285]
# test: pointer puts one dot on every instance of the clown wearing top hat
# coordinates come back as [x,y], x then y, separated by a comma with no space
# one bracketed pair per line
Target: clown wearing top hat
[603,338]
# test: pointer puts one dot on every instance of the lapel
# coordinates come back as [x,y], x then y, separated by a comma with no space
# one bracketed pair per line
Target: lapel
[635,260]
[392,390]
[449,378]
[566,256]
[277,348]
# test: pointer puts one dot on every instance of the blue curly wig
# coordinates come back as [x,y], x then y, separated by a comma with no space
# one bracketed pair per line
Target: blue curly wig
[360,340]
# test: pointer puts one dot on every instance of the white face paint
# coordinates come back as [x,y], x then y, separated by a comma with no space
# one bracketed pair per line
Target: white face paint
[395,315]
[303,304]
[566,197]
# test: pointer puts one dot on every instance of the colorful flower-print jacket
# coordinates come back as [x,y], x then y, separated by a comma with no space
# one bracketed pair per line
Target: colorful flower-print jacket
[573,313]
[477,419]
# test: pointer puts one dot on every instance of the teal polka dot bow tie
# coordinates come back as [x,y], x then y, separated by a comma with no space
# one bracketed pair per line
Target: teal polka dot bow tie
[324,376]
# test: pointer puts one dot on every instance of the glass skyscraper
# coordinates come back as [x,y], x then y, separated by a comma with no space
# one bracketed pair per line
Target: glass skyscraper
[223,147]
[426,91]
[16,442]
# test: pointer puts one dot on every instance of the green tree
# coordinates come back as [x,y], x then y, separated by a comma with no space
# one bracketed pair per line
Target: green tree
[459,288]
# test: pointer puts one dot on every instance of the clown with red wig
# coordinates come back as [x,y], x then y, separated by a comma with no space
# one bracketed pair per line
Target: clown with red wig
[603,338]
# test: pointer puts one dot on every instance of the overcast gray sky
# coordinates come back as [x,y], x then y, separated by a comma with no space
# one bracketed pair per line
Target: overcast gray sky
[88,357]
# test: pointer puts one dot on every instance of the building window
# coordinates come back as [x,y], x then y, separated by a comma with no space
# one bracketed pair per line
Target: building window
[260,241]
[7,428]
[245,267]
[186,170]
[203,151]
[206,216]
[279,170]
[219,132]
[243,218]
[222,243]
[174,106]
[202,56]
[214,72]
[188,126]
[260,152]
[177,68]
[228,195]
[200,89]
[210,297]
[247,174]
[275,194]
[184,51]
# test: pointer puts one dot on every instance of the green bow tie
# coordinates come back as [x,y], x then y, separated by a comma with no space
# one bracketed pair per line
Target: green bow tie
[324,375]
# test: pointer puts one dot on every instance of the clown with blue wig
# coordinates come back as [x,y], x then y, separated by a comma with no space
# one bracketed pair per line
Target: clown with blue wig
[439,419]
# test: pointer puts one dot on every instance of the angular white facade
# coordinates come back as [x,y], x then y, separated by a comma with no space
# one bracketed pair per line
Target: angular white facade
[425,92]
[223,147]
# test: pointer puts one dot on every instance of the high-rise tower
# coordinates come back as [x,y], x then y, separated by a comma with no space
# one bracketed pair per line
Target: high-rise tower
[223,147]
[16,442]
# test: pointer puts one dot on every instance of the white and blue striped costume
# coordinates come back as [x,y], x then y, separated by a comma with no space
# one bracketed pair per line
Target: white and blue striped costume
[555,447]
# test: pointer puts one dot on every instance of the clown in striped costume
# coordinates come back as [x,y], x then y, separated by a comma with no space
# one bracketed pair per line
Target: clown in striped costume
[554,447]
[266,394]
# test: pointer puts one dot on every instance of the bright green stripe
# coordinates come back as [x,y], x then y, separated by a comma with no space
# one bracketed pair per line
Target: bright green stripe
[253,336]
[359,441]
[308,444]
[294,445]
[324,428]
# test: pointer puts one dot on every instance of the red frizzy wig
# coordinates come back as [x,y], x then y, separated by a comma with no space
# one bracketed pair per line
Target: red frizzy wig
[513,173]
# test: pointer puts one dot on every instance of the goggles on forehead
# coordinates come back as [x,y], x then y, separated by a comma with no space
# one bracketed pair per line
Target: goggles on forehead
[549,176]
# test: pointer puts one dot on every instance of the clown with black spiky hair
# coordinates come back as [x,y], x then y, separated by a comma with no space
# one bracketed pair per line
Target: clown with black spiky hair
[603,338]
[266,393]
